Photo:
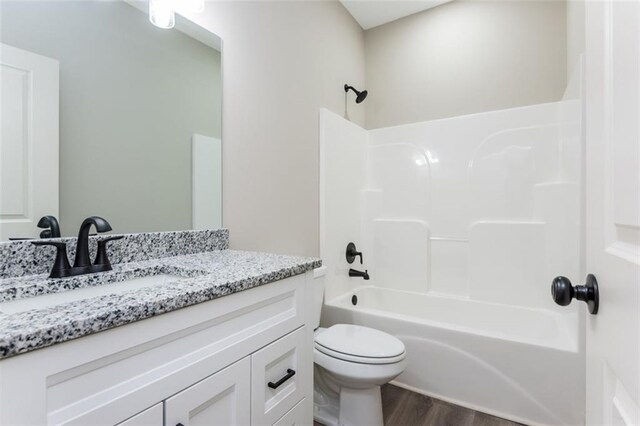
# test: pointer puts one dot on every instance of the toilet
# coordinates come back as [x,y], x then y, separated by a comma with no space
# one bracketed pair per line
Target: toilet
[351,362]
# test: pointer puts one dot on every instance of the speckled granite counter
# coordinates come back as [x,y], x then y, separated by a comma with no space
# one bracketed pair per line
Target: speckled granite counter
[203,276]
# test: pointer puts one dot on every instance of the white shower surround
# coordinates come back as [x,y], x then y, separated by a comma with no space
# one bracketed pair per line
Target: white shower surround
[463,223]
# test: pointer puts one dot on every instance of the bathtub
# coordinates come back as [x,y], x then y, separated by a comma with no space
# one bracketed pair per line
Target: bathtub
[522,364]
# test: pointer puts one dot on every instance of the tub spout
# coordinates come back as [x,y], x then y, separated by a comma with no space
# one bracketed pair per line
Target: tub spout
[356,273]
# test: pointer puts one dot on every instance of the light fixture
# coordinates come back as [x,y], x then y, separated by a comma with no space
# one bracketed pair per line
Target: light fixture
[162,14]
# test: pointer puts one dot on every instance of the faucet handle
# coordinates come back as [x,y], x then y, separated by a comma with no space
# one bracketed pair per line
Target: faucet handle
[51,227]
[101,263]
[352,253]
[61,267]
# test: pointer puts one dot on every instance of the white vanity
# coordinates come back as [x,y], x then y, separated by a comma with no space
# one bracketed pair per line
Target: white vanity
[242,358]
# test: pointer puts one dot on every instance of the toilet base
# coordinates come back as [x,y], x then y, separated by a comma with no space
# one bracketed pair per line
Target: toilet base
[357,407]
[361,407]
[335,405]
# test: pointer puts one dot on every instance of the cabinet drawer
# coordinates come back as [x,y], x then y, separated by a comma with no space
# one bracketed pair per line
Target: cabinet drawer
[220,399]
[280,377]
[297,416]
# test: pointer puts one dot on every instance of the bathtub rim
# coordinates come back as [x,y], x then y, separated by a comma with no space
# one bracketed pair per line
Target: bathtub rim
[342,302]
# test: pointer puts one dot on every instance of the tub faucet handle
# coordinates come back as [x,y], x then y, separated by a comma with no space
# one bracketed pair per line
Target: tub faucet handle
[352,253]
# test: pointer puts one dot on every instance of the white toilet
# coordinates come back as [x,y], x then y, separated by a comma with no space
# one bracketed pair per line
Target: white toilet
[351,363]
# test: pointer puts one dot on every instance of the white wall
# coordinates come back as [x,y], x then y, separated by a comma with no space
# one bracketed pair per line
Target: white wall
[463,57]
[475,196]
[343,148]
[282,62]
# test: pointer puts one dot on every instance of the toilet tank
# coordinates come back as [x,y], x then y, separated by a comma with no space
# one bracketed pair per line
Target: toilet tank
[318,295]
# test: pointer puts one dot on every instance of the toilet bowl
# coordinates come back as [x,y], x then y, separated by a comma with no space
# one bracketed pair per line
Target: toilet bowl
[351,363]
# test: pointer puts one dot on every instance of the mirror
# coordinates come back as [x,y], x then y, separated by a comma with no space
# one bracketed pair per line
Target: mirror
[105,114]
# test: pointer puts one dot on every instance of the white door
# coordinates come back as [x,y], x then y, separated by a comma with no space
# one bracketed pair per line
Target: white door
[29,90]
[221,399]
[613,210]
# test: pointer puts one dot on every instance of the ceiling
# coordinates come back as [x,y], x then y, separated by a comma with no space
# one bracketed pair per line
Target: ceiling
[371,13]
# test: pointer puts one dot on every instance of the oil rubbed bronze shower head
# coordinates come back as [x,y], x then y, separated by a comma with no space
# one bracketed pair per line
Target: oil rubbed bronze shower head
[360,96]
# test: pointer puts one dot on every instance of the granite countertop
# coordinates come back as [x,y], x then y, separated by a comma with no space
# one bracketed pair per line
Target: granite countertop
[202,277]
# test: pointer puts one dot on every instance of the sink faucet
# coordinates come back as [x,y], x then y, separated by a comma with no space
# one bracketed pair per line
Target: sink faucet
[82,264]
[82,245]
[356,273]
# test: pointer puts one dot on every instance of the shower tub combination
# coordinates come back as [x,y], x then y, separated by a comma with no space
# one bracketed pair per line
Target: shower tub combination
[461,235]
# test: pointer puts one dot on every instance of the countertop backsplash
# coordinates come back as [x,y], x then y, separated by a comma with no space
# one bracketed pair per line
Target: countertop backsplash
[20,258]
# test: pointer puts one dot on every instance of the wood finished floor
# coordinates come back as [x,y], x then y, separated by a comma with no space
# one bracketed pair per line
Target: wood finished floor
[405,408]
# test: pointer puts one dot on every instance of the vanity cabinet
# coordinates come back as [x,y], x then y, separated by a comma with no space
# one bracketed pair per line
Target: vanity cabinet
[241,359]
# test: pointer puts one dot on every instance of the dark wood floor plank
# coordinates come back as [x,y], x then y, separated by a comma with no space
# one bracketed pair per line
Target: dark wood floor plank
[444,414]
[402,407]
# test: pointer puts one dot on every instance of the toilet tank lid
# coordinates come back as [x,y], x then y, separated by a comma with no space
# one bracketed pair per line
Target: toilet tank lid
[360,341]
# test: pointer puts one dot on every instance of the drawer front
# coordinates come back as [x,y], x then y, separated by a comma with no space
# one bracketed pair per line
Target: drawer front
[297,416]
[280,377]
[220,399]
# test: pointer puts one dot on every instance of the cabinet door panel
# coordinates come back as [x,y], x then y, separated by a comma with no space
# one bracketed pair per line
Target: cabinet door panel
[221,399]
[150,417]
[273,365]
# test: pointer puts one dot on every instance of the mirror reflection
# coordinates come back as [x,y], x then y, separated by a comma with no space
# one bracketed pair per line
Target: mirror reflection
[105,114]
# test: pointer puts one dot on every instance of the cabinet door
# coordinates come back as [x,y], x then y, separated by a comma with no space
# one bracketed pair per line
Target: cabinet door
[280,377]
[149,417]
[221,399]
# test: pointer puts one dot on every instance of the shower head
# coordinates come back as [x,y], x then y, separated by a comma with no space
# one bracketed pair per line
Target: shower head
[360,96]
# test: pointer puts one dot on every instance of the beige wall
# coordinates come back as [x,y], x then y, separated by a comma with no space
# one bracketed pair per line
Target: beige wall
[464,57]
[282,61]
[575,34]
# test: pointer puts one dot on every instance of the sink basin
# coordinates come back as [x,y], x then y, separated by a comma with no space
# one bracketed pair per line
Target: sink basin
[53,299]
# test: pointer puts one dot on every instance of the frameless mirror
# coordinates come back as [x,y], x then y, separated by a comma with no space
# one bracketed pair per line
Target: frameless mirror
[105,114]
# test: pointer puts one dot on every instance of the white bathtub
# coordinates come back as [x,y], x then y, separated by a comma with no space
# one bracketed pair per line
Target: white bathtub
[518,363]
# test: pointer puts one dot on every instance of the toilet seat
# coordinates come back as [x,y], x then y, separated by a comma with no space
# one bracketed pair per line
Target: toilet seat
[359,344]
